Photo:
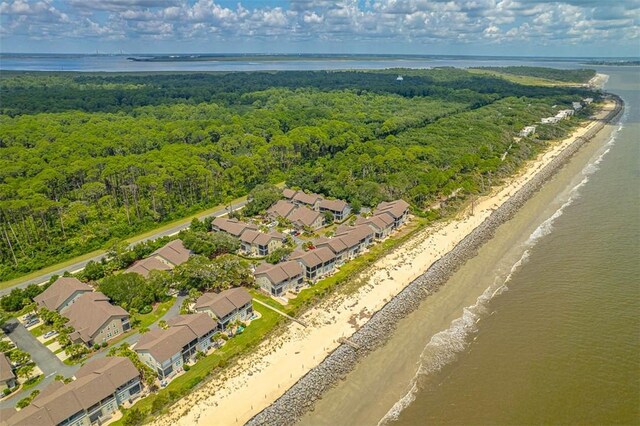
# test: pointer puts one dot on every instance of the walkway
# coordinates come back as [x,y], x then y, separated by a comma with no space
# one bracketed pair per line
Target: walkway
[280,312]
[43,357]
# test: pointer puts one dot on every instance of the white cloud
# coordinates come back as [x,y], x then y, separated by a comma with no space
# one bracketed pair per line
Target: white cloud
[417,21]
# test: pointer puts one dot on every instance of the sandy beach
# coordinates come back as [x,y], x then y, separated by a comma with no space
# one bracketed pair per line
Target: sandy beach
[259,379]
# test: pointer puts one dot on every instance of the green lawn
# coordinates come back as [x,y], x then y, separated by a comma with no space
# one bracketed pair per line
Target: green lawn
[259,329]
[350,270]
[180,386]
[50,341]
[161,308]
[38,331]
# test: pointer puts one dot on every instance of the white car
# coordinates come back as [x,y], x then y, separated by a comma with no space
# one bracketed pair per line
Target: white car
[49,334]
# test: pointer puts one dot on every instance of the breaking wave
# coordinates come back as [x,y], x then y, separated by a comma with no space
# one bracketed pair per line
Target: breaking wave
[444,347]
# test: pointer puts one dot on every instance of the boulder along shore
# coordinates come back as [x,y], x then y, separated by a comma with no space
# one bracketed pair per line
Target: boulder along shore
[301,397]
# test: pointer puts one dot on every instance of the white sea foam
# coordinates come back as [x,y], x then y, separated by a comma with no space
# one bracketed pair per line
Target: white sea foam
[546,227]
[444,346]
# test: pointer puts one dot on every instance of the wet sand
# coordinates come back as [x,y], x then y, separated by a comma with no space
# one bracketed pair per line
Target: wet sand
[262,377]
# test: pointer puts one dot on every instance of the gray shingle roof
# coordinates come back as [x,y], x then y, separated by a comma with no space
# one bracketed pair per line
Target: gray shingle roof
[163,344]
[54,296]
[174,252]
[222,304]
[95,381]
[90,312]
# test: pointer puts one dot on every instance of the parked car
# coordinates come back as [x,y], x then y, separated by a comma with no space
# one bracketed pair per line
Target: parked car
[50,334]
[28,317]
[32,321]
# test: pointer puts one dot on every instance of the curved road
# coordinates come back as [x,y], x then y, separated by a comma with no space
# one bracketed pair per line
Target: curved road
[41,279]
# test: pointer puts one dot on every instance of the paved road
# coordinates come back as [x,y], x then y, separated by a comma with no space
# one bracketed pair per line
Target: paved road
[43,357]
[49,363]
[80,265]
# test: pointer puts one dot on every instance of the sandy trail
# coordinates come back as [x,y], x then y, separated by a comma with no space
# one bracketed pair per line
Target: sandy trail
[258,379]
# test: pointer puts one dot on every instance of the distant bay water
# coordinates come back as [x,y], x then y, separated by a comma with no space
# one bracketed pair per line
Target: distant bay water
[121,63]
[542,327]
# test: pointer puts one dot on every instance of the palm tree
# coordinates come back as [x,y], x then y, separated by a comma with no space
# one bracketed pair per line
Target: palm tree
[26,371]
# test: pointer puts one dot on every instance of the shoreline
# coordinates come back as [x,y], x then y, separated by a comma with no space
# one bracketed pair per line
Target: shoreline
[396,285]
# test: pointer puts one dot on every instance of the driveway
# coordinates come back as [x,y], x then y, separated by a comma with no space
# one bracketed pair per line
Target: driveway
[133,339]
[41,279]
[43,357]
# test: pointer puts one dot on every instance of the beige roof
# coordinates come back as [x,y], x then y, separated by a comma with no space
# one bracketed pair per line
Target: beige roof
[58,402]
[200,325]
[260,238]
[145,266]
[314,257]
[90,312]
[333,205]
[337,245]
[117,369]
[309,199]
[223,303]
[288,193]
[304,216]
[6,371]
[279,273]
[163,344]
[233,226]
[281,208]
[396,208]
[352,236]
[174,252]
[380,221]
[54,296]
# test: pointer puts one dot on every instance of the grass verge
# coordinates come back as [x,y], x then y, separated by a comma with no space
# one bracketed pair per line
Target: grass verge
[32,382]
[254,334]
[158,312]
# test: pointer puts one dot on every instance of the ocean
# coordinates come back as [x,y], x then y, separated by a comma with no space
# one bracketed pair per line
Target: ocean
[542,326]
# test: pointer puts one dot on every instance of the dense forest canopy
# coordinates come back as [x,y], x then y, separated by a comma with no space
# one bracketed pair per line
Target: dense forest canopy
[86,159]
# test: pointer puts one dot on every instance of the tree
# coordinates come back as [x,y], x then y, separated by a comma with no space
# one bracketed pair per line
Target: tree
[26,371]
[19,357]
[209,244]
[220,273]
[147,374]
[76,350]
[64,340]
[131,290]
[278,255]
[93,271]
[328,217]
[261,198]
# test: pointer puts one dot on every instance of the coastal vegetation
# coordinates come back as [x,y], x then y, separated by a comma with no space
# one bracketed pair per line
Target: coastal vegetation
[567,76]
[88,160]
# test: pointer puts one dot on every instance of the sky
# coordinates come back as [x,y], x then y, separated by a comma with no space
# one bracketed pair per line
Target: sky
[461,27]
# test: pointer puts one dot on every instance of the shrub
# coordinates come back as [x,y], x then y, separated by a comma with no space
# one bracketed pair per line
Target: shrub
[146,309]
[6,392]
[187,367]
[104,344]
[133,417]
[23,402]
[96,346]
